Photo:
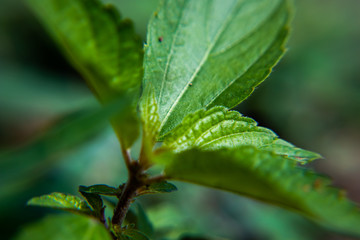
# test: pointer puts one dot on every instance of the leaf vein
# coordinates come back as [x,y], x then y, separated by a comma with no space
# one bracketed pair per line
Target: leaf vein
[166,71]
[217,36]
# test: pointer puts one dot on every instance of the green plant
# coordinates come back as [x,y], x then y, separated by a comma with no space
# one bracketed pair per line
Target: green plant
[200,60]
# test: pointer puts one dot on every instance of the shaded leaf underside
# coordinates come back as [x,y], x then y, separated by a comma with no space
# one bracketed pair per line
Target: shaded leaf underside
[201,54]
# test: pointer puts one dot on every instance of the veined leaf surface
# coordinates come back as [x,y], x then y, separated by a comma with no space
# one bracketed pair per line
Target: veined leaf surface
[67,226]
[102,47]
[265,176]
[150,114]
[206,53]
[150,123]
[220,128]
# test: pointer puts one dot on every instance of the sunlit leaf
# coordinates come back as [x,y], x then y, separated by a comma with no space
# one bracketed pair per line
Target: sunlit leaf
[220,128]
[149,114]
[271,178]
[61,201]
[207,53]
[103,48]
[69,227]
[150,119]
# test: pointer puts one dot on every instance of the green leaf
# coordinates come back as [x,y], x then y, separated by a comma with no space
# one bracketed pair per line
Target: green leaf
[202,54]
[103,48]
[61,201]
[100,189]
[220,128]
[149,114]
[158,187]
[271,178]
[132,234]
[94,200]
[69,227]
[143,222]
[150,122]
[137,218]
[282,147]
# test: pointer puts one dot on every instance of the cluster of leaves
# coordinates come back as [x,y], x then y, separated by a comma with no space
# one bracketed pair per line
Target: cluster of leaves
[93,208]
[201,59]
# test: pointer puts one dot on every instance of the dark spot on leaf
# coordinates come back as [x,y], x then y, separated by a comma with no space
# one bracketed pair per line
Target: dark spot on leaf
[190,84]
[160,39]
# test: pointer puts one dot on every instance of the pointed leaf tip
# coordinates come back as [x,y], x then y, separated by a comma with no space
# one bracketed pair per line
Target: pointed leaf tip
[219,128]
[196,64]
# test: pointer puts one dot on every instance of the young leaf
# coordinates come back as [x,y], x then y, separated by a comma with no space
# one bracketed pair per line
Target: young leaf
[100,189]
[69,227]
[202,54]
[158,187]
[61,201]
[220,128]
[265,176]
[102,47]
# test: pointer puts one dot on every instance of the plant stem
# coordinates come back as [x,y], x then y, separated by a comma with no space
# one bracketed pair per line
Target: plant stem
[156,179]
[126,155]
[135,181]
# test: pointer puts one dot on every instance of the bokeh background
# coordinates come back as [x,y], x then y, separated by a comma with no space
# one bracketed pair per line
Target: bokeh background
[311,99]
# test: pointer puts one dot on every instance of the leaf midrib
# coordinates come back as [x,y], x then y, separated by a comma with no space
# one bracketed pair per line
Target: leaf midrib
[171,51]
[230,136]
[211,46]
[233,121]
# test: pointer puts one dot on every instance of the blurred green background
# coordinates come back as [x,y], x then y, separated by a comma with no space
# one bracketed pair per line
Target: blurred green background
[311,99]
